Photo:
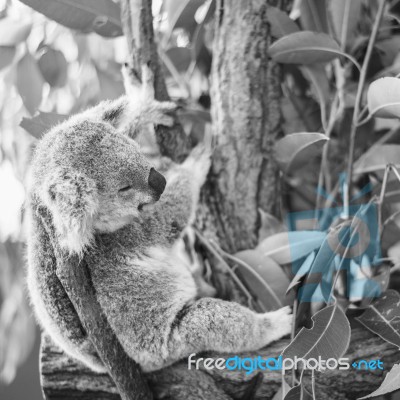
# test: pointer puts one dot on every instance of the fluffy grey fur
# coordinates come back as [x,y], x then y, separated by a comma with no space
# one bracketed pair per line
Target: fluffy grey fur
[90,185]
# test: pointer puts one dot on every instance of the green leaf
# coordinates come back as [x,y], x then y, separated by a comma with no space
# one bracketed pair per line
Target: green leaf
[269,225]
[29,82]
[313,15]
[280,23]
[296,149]
[394,253]
[388,51]
[305,48]
[53,66]
[180,14]
[383,317]
[7,54]
[384,98]
[100,16]
[378,158]
[345,15]
[13,32]
[316,74]
[270,272]
[302,272]
[253,272]
[389,384]
[329,336]
[41,123]
[284,388]
[298,392]
[287,247]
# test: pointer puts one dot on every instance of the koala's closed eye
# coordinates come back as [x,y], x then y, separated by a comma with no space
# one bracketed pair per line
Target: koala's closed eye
[125,188]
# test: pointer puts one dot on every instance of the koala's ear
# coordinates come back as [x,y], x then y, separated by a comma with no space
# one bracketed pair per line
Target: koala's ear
[73,201]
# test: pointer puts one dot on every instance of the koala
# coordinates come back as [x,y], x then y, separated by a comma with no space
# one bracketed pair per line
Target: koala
[92,193]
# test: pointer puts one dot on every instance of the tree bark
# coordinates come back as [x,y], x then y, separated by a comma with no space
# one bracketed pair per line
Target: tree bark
[63,378]
[137,21]
[246,122]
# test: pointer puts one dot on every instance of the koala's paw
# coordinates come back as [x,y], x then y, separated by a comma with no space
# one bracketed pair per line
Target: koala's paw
[161,110]
[199,163]
[278,323]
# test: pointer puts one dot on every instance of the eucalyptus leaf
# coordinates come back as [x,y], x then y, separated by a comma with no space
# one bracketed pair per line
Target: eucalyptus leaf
[389,384]
[384,98]
[29,82]
[7,54]
[13,32]
[100,16]
[305,48]
[53,66]
[383,317]
[313,16]
[269,226]
[302,272]
[287,247]
[41,123]
[298,392]
[345,15]
[296,149]
[263,277]
[378,158]
[329,336]
[280,23]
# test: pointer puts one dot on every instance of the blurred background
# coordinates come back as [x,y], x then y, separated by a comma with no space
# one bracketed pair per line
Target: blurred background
[47,72]
[50,70]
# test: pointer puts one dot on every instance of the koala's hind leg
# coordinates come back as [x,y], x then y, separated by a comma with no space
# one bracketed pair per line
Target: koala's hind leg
[217,325]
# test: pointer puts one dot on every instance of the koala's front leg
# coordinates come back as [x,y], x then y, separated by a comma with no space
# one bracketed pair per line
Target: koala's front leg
[217,325]
[142,96]
[177,206]
[135,111]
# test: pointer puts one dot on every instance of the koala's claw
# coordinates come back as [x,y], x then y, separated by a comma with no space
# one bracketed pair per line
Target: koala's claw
[160,112]
[163,119]
[131,80]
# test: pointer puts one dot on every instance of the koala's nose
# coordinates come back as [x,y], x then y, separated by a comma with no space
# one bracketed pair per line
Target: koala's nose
[157,181]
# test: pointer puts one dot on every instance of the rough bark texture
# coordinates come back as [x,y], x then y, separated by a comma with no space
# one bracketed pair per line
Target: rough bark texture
[246,122]
[137,20]
[63,378]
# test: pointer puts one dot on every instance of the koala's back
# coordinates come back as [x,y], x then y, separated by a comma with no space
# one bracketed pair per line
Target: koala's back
[142,286]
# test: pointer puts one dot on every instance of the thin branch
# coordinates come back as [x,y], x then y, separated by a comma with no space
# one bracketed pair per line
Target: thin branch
[357,105]
[137,23]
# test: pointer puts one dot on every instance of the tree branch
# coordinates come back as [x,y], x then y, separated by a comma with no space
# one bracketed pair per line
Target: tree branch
[179,383]
[137,22]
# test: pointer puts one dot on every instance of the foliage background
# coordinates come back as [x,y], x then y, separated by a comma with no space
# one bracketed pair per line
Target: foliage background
[48,71]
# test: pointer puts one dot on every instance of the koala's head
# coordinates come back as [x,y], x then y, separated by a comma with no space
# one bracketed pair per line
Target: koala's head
[92,179]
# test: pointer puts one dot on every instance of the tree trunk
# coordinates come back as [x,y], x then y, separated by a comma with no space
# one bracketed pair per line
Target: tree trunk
[63,378]
[137,21]
[246,122]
